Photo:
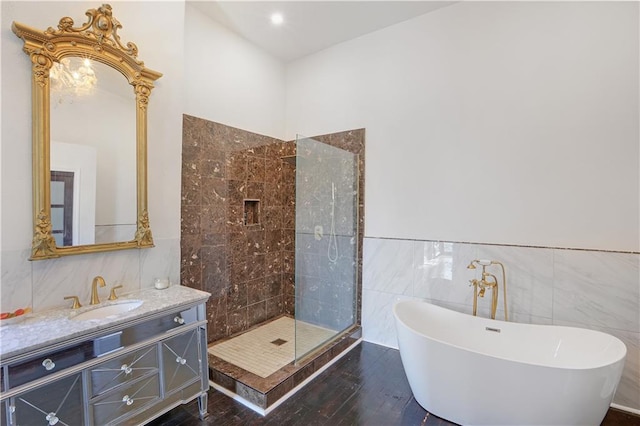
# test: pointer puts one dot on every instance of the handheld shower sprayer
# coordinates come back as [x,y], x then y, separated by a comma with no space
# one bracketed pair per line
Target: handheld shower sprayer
[332,249]
[481,262]
[484,283]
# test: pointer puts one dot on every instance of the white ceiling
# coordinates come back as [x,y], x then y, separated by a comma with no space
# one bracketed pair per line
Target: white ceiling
[309,26]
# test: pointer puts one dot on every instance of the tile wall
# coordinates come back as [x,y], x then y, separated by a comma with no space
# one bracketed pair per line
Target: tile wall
[583,288]
[245,261]
[240,262]
[43,284]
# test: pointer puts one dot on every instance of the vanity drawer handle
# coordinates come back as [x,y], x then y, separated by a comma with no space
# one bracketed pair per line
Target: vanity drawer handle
[181,361]
[127,399]
[126,368]
[52,419]
[49,365]
[178,319]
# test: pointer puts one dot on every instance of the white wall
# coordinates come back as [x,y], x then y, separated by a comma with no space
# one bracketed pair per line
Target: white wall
[157,29]
[496,122]
[230,80]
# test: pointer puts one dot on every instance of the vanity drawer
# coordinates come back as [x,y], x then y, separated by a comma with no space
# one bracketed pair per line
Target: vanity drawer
[158,326]
[109,409]
[44,365]
[124,369]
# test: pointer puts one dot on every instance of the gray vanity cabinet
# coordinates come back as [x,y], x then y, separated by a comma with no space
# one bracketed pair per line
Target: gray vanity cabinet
[127,375]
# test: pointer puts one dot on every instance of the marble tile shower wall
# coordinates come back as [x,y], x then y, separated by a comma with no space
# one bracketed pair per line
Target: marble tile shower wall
[240,252]
[326,289]
[582,288]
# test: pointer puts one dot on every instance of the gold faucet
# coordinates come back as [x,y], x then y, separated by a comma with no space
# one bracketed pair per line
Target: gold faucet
[97,281]
[480,286]
[488,280]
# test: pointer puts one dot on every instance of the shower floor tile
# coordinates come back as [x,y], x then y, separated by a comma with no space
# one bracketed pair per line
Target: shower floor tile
[270,347]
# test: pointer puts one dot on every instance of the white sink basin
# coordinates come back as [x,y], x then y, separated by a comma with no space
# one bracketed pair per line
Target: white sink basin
[108,311]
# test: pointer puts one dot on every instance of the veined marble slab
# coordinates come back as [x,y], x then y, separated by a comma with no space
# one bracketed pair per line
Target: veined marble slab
[37,330]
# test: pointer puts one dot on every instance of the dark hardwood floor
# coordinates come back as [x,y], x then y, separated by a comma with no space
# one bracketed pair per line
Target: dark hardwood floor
[366,387]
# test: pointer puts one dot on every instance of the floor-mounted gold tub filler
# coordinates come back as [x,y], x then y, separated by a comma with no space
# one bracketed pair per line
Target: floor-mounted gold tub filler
[486,281]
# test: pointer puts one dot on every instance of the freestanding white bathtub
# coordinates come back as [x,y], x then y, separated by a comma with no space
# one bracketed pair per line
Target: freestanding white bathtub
[478,371]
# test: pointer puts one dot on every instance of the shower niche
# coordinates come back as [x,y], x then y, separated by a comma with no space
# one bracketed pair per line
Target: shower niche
[251,214]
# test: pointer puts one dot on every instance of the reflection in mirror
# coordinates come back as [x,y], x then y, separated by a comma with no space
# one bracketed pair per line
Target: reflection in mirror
[90,95]
[99,153]
[62,208]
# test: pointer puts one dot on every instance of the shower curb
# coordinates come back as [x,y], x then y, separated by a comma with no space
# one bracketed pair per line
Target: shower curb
[263,395]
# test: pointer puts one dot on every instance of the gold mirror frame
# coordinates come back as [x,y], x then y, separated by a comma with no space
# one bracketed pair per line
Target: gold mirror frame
[96,40]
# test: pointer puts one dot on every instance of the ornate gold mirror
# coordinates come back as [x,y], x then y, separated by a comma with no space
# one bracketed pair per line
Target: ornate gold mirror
[89,137]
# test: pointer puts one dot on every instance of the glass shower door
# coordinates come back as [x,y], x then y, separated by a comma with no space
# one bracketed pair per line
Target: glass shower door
[326,248]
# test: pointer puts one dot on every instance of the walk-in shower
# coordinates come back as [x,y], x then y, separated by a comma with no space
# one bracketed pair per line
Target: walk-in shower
[291,243]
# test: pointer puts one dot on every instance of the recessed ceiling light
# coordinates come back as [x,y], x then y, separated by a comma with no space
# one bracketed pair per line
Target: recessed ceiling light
[277,18]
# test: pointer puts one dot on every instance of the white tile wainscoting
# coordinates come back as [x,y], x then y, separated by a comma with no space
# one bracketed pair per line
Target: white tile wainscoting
[592,289]
[42,284]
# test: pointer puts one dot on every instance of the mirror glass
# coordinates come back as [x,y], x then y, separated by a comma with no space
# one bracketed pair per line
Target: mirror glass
[93,154]
[90,94]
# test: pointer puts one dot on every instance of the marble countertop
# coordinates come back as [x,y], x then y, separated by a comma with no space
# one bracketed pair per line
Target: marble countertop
[37,330]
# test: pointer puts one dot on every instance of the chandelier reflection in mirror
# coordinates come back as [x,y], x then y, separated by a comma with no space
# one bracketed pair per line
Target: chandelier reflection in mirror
[71,77]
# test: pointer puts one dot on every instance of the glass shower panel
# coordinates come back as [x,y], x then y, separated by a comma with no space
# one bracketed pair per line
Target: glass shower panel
[326,248]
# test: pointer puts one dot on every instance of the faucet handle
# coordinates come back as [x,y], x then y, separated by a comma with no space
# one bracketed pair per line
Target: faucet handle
[113,295]
[76,301]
